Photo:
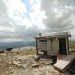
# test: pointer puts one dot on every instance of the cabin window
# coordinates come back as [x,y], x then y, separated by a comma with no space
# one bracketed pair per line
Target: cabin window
[43,41]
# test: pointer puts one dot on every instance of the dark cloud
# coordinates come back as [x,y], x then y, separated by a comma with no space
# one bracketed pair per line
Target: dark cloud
[59,14]
[66,2]
[27,33]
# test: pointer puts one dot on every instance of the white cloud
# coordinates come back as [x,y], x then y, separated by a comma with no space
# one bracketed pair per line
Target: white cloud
[15,25]
[36,15]
[60,14]
[32,2]
[16,8]
[45,16]
[12,15]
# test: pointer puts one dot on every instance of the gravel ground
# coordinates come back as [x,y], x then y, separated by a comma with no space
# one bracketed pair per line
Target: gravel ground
[23,63]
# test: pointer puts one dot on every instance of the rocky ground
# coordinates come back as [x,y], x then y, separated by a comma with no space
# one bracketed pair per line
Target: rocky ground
[24,61]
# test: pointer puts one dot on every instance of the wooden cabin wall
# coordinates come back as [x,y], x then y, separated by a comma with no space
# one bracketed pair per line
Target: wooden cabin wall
[55,49]
[56,46]
[41,46]
[50,47]
[46,46]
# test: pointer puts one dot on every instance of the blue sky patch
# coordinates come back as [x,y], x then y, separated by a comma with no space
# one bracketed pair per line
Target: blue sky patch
[28,7]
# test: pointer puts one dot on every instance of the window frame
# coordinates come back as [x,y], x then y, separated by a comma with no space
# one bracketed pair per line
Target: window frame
[43,41]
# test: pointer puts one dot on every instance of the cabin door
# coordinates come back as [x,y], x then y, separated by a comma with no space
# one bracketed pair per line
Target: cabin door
[62,46]
[51,51]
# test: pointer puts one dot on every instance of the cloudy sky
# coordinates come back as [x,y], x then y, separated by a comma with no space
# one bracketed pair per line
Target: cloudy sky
[21,20]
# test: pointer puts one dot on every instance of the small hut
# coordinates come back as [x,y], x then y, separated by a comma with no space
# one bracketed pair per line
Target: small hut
[53,44]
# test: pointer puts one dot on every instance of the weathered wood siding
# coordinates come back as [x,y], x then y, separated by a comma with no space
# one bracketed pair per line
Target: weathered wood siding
[50,47]
[56,46]
[53,47]
[41,46]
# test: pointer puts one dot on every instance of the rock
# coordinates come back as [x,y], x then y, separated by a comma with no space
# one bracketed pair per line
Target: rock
[27,57]
[1,51]
[47,63]
[47,73]
[24,66]
[36,58]
[17,63]
[35,65]
[9,48]
[18,52]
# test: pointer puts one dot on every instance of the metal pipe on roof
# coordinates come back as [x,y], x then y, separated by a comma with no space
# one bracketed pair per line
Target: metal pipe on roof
[39,34]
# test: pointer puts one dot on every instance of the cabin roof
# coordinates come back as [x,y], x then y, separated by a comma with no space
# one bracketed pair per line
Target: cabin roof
[55,35]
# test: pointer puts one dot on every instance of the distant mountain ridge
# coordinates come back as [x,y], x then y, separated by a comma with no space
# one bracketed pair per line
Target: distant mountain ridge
[4,45]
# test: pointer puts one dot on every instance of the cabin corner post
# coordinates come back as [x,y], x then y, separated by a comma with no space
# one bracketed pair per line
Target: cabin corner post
[67,46]
[36,47]
[68,43]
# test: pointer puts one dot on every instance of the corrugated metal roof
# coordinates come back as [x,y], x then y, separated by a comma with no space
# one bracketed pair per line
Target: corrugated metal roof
[54,35]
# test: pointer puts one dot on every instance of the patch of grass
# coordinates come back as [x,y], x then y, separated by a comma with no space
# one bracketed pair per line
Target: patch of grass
[72,44]
[7,68]
[27,52]
[5,58]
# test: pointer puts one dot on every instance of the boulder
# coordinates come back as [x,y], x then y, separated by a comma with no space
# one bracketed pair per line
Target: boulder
[35,65]
[9,48]
[24,66]
[47,63]
[36,58]
[1,51]
[17,63]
